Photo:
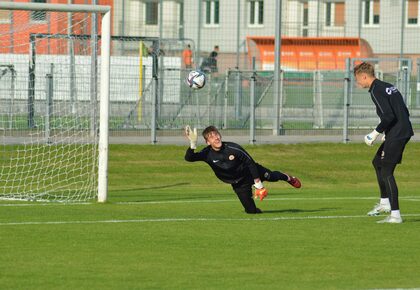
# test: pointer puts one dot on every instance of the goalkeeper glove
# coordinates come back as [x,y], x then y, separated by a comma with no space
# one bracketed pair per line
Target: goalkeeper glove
[260,191]
[383,138]
[192,136]
[369,138]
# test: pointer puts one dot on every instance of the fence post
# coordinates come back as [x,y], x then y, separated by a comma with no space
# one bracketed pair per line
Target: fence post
[252,109]
[418,84]
[31,85]
[347,87]
[155,93]
[226,100]
[209,93]
[12,96]
[73,88]
[406,82]
[403,80]
[48,103]
[238,96]
[318,113]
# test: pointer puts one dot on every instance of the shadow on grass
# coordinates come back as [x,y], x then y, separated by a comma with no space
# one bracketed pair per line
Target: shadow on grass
[156,187]
[295,210]
[149,188]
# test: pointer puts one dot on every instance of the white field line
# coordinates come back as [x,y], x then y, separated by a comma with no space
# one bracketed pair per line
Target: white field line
[162,220]
[44,204]
[395,289]
[407,198]
[410,198]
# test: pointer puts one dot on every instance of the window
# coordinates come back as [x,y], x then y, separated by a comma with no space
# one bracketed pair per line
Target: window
[305,18]
[212,12]
[256,12]
[39,16]
[334,14]
[413,11]
[371,11]
[328,13]
[4,16]
[151,13]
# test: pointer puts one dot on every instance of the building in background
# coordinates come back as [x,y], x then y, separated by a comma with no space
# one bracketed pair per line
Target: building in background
[390,27]
[16,26]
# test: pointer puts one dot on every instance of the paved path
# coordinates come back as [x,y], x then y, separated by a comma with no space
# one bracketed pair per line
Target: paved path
[266,139]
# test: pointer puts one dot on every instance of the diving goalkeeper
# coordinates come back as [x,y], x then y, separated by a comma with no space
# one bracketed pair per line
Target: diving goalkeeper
[233,165]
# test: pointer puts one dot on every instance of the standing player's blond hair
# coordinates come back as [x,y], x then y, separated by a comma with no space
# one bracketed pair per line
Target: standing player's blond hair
[364,67]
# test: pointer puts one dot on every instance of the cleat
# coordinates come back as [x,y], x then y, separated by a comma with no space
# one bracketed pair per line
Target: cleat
[391,220]
[378,209]
[256,211]
[294,181]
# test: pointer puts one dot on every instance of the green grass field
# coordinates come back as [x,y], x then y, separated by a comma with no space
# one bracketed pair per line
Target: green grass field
[170,224]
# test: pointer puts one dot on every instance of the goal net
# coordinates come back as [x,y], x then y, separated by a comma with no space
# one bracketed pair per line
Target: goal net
[53,114]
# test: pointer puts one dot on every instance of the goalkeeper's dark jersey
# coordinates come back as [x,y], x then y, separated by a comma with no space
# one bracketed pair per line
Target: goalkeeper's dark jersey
[231,164]
[392,111]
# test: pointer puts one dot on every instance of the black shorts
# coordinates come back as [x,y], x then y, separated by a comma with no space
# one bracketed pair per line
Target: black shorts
[247,182]
[391,151]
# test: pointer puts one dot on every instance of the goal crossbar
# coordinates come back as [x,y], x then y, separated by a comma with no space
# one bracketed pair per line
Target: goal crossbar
[104,81]
[103,9]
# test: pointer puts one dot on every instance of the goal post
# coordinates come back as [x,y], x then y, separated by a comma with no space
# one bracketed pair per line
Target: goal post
[81,152]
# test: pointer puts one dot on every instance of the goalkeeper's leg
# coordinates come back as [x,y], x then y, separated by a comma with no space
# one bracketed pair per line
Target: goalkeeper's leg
[244,193]
[377,164]
[273,176]
[387,173]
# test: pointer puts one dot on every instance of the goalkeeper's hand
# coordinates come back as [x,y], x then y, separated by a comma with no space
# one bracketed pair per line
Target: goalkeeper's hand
[192,136]
[369,138]
[383,138]
[260,191]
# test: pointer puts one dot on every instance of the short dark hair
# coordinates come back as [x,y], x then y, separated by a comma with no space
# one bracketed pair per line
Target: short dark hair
[208,130]
[364,67]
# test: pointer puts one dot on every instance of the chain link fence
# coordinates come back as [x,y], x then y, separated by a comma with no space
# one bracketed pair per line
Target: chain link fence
[152,41]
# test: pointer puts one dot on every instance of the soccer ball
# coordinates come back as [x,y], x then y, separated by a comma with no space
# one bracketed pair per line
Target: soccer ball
[196,79]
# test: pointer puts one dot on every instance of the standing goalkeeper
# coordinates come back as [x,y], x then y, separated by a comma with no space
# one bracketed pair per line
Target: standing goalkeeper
[233,165]
[396,126]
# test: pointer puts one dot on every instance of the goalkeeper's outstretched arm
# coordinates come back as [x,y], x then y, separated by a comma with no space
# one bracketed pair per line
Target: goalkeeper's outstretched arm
[191,134]
[190,155]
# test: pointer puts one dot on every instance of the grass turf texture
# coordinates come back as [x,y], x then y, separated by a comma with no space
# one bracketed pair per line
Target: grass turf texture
[170,224]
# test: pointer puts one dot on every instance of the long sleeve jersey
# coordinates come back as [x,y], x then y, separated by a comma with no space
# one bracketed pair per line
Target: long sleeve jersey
[391,109]
[230,164]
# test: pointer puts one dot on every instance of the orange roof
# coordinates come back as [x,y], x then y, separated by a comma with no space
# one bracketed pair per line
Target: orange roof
[308,53]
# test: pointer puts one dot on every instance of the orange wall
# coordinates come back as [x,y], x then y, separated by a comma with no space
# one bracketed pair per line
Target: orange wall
[308,53]
[22,27]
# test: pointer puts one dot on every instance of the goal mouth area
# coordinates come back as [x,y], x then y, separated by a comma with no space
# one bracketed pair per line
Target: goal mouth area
[49,199]
[54,116]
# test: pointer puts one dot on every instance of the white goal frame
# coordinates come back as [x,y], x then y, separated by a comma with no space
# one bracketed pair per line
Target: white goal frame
[105,11]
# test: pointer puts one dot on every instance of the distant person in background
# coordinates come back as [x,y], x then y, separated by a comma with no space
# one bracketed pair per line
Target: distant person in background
[396,126]
[210,63]
[155,49]
[213,59]
[187,56]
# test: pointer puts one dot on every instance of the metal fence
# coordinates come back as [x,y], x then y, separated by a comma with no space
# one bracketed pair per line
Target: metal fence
[150,101]
[155,101]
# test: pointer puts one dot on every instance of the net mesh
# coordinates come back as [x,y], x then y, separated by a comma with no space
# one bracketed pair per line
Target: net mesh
[48,112]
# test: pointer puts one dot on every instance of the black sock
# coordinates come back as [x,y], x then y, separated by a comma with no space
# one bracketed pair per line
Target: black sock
[387,173]
[275,176]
